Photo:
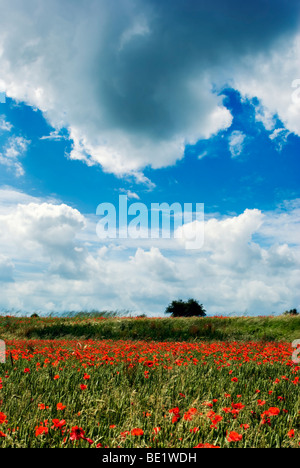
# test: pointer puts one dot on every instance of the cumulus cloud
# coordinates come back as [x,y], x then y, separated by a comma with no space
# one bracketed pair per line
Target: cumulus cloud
[4,125]
[14,149]
[52,260]
[45,233]
[136,83]
[270,77]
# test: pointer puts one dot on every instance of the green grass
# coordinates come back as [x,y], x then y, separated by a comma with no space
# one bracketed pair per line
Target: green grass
[139,371]
[126,393]
[97,326]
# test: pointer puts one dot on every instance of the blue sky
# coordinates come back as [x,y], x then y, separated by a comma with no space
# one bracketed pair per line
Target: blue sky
[163,103]
[263,173]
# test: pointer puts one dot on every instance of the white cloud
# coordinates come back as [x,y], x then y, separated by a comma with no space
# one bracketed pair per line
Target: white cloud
[14,149]
[55,135]
[130,194]
[52,260]
[4,125]
[134,85]
[269,76]
[45,233]
[236,143]
[280,136]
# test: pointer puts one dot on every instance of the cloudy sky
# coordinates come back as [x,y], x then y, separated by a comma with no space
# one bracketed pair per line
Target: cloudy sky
[166,102]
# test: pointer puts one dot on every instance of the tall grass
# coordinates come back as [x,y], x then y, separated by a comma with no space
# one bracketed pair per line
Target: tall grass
[109,326]
[136,394]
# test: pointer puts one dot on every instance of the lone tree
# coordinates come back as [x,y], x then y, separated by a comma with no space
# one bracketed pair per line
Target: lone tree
[190,308]
[291,312]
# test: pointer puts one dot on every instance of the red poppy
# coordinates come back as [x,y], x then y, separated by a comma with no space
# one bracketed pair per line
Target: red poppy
[149,363]
[245,426]
[57,423]
[77,433]
[60,406]
[194,430]
[3,418]
[234,437]
[206,446]
[261,402]
[41,430]
[137,432]
[273,411]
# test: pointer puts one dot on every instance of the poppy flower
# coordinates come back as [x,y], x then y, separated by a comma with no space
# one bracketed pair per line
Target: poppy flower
[194,429]
[137,432]
[215,420]
[3,418]
[206,446]
[77,433]
[90,441]
[234,437]
[261,402]
[58,424]
[226,410]
[245,426]
[273,411]
[238,406]
[60,406]
[149,363]
[41,430]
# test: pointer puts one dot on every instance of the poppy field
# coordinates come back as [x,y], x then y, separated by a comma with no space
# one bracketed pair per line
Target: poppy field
[70,393]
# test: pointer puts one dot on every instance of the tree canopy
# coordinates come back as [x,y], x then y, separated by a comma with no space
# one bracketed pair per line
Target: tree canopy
[190,308]
[291,312]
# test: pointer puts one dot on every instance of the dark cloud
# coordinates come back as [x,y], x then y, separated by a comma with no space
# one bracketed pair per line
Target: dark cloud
[131,79]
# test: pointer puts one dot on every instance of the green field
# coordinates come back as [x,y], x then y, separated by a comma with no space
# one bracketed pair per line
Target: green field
[98,326]
[106,382]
